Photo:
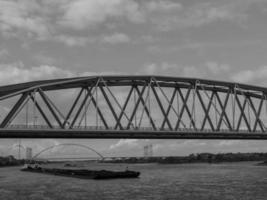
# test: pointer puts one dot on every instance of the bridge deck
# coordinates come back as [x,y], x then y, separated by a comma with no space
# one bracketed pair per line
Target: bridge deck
[130,134]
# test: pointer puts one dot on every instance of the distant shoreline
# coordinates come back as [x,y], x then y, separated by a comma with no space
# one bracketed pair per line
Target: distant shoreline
[192,158]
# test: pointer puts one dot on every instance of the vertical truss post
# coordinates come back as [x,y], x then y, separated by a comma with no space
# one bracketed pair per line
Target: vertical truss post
[178,102]
[233,106]
[135,120]
[193,111]
[215,110]
[85,111]
[34,107]
[96,105]
[27,114]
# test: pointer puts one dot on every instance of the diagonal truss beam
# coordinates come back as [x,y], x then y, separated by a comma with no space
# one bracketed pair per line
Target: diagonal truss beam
[219,98]
[184,107]
[145,107]
[242,113]
[206,110]
[136,105]
[115,99]
[72,107]
[124,106]
[15,110]
[80,108]
[50,107]
[223,111]
[169,108]
[257,114]
[41,111]
[163,93]
[110,107]
[98,109]
[162,108]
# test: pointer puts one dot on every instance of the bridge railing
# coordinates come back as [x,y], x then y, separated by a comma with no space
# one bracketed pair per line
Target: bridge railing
[95,128]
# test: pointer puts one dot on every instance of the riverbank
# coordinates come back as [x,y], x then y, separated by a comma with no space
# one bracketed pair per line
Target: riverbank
[194,158]
[10,161]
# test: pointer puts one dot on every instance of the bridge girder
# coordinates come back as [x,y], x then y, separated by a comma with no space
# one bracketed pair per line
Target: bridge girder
[166,104]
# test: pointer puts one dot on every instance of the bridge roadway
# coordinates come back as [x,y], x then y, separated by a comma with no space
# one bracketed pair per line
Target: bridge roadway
[134,133]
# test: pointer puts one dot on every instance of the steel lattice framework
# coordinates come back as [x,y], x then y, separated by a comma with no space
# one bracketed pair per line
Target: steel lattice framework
[136,107]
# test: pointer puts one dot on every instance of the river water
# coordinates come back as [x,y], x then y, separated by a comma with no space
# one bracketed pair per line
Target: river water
[226,181]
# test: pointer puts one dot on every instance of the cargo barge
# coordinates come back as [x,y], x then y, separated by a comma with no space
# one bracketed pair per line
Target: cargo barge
[82,173]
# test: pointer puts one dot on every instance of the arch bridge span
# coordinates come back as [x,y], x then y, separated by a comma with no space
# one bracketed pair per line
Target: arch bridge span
[35,157]
[133,107]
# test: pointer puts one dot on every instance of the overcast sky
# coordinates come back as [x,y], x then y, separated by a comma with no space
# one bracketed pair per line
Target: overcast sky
[214,39]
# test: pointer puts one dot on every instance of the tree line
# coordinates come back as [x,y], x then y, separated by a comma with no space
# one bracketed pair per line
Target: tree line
[194,158]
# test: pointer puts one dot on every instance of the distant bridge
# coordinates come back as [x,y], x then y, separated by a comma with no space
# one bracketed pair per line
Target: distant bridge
[35,157]
[133,107]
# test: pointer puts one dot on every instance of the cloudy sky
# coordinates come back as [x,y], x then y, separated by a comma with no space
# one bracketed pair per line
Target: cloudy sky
[215,39]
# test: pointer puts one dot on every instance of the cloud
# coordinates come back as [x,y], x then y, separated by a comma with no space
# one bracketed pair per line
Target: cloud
[259,74]
[163,6]
[200,14]
[46,20]
[209,70]
[217,68]
[16,73]
[116,38]
[73,40]
[20,16]
[3,53]
[229,143]
[149,69]
[122,143]
[82,14]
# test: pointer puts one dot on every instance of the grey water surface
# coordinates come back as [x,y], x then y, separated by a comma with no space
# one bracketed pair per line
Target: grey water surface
[225,181]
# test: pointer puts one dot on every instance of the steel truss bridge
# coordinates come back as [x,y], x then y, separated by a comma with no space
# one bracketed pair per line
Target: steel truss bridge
[133,107]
